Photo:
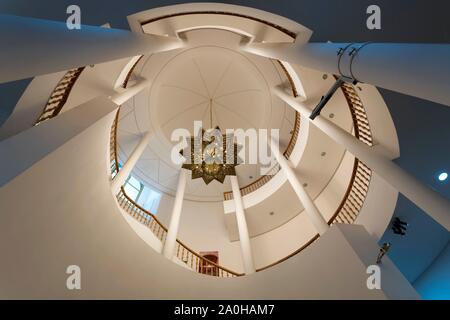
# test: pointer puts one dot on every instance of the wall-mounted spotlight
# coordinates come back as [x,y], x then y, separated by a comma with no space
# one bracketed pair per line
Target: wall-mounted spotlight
[443,176]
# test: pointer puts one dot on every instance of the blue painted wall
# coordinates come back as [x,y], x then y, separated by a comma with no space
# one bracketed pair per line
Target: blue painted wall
[434,284]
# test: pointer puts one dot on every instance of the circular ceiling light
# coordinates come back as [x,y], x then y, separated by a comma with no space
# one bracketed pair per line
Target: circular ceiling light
[443,176]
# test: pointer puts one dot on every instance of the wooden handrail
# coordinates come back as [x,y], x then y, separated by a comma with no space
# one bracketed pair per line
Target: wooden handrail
[357,190]
[255,185]
[348,210]
[294,136]
[122,190]
[290,255]
[193,260]
[113,152]
[231,272]
[160,231]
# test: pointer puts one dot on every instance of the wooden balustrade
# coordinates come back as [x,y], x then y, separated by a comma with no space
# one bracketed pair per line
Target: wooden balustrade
[186,255]
[192,259]
[294,136]
[202,265]
[60,94]
[360,120]
[113,152]
[358,188]
[142,215]
[254,185]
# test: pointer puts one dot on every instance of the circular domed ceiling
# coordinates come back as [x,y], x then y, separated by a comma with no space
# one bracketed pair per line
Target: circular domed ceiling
[210,80]
[210,77]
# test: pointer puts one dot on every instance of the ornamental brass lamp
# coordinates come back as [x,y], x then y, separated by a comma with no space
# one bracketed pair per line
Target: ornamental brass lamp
[213,155]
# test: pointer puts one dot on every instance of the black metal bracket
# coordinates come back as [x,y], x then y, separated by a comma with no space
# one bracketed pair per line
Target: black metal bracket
[383,250]
[399,226]
[353,51]
[324,100]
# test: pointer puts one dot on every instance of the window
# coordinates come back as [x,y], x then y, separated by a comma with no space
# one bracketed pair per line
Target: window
[150,199]
[143,195]
[133,188]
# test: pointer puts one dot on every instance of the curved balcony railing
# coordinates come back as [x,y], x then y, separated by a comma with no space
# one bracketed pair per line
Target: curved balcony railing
[142,215]
[188,256]
[360,120]
[113,152]
[60,94]
[255,185]
[357,190]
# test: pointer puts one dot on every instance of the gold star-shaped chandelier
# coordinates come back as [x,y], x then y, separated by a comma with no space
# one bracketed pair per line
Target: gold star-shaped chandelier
[213,155]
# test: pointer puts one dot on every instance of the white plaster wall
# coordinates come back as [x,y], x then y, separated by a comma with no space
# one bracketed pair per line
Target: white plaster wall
[61,212]
[202,228]
[393,283]
[375,215]
[30,105]
[94,81]
[279,242]
[143,232]
[289,237]
[313,169]
[434,282]
[56,131]
[203,225]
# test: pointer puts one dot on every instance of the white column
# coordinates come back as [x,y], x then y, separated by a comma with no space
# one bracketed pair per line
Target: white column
[420,70]
[32,47]
[127,168]
[311,210]
[430,201]
[244,237]
[20,152]
[122,97]
[172,233]
[125,171]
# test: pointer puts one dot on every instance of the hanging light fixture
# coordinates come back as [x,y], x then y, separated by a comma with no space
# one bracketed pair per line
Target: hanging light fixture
[213,155]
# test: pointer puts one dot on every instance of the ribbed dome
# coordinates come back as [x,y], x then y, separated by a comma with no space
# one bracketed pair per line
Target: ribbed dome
[186,84]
